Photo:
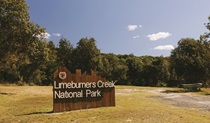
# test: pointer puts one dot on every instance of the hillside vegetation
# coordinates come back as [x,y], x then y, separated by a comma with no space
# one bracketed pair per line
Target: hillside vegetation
[27,57]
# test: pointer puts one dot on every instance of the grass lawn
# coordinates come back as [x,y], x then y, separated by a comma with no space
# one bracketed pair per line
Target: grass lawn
[20,104]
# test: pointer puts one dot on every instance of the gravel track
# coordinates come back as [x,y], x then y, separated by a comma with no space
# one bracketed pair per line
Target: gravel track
[183,99]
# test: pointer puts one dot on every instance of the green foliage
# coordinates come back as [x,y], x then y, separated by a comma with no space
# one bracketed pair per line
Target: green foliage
[17,36]
[43,62]
[205,37]
[147,70]
[134,70]
[161,84]
[25,58]
[190,60]
[64,53]
[86,55]
[114,68]
[51,64]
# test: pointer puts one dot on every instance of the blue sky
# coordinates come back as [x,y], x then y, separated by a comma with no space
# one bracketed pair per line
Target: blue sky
[140,27]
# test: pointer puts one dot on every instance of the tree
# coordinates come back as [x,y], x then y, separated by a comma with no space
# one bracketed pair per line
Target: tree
[164,75]
[205,40]
[17,36]
[64,54]
[86,55]
[190,60]
[51,63]
[113,68]
[154,71]
[206,35]
[135,66]
[34,72]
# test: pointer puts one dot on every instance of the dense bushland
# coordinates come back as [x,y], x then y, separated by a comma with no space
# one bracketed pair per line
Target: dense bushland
[26,57]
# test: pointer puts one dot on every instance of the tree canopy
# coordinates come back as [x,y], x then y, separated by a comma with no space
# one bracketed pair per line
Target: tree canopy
[190,60]
[18,35]
[26,58]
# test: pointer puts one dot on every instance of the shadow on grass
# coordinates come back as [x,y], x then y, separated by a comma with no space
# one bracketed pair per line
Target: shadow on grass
[32,113]
[180,91]
[4,93]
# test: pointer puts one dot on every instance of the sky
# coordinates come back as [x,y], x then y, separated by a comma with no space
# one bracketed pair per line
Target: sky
[139,27]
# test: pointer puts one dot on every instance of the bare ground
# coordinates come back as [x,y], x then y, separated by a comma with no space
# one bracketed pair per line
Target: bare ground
[181,98]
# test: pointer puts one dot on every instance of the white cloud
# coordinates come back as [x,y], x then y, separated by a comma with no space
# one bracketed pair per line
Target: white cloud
[140,26]
[136,36]
[159,35]
[164,47]
[47,35]
[133,27]
[57,34]
[44,35]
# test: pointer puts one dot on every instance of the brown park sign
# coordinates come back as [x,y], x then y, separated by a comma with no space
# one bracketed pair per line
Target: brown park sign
[81,91]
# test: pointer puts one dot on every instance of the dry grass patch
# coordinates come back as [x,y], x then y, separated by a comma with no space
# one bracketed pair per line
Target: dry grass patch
[205,91]
[133,104]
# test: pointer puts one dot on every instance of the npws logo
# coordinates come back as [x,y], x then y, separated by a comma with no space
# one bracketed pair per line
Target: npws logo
[62,75]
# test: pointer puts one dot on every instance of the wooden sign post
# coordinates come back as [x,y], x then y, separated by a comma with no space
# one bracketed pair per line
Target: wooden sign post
[81,91]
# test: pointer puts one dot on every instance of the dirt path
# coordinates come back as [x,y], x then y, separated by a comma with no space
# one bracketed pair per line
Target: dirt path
[182,99]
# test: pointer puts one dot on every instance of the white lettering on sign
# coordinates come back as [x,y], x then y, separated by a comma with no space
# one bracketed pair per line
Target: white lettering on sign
[90,93]
[68,85]
[67,94]
[101,84]
[74,85]
[84,86]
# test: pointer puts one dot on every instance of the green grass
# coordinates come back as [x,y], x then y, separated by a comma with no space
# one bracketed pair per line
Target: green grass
[20,104]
